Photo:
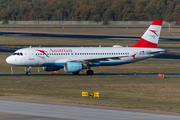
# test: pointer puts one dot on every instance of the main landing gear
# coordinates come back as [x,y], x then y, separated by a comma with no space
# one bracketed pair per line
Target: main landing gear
[28,71]
[89,72]
[75,73]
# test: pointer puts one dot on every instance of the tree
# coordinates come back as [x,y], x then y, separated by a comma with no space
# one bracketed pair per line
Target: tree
[96,18]
[169,11]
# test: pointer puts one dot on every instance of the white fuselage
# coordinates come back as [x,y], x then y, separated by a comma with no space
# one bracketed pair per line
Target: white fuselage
[96,56]
[74,59]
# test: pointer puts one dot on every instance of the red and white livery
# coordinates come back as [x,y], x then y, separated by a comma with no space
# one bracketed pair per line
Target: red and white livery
[74,59]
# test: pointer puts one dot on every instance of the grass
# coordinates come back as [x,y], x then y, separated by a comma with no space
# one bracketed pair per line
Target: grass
[144,66]
[137,32]
[137,92]
[11,41]
[63,41]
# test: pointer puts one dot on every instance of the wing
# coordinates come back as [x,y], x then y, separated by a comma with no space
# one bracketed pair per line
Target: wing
[92,60]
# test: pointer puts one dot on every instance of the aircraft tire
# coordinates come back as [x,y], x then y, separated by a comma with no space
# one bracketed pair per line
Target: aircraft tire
[89,72]
[28,73]
[75,73]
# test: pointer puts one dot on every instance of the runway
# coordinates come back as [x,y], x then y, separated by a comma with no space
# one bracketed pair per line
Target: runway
[95,74]
[71,36]
[23,109]
[46,110]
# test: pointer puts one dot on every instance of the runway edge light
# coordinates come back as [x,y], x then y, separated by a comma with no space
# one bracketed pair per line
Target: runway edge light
[161,75]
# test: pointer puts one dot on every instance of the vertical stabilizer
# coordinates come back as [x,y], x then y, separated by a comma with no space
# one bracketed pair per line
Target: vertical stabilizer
[151,36]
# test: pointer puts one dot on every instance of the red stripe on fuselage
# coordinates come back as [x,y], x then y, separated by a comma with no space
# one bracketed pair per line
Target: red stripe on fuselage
[145,44]
[157,22]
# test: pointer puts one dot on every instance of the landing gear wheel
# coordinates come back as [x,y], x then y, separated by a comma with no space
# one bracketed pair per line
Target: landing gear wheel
[75,73]
[28,73]
[89,72]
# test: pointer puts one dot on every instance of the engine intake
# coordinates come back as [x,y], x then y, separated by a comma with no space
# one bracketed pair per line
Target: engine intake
[72,67]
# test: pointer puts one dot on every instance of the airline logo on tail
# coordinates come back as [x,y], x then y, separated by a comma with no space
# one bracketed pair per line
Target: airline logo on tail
[155,32]
[151,36]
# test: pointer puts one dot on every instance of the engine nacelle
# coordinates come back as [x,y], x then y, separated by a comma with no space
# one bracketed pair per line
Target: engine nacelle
[51,68]
[72,67]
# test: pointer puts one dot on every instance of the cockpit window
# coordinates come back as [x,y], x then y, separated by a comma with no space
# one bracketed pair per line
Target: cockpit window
[19,54]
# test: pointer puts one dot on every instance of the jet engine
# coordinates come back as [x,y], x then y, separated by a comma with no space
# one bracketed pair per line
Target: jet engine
[51,68]
[72,67]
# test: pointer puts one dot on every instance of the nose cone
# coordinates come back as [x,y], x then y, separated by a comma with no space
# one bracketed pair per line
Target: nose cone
[8,60]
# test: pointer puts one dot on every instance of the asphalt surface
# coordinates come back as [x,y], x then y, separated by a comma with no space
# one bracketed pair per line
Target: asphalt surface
[37,110]
[20,110]
[78,36]
[95,74]
[9,48]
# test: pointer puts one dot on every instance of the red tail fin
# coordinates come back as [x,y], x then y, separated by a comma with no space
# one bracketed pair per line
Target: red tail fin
[151,36]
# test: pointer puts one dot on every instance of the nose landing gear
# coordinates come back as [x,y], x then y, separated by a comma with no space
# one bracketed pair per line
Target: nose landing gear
[28,71]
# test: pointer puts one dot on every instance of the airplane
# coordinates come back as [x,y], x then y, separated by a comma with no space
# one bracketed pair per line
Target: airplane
[75,59]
